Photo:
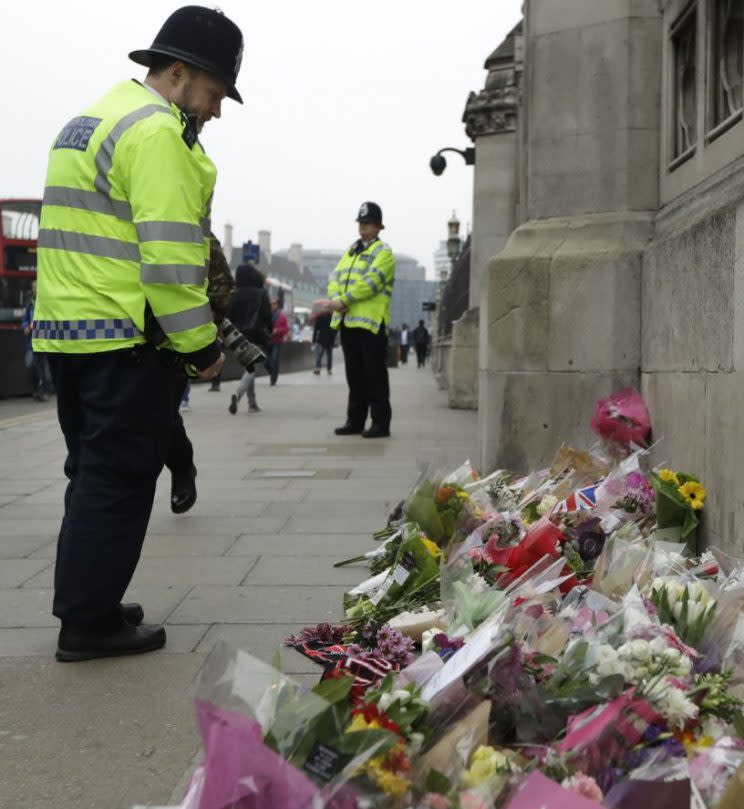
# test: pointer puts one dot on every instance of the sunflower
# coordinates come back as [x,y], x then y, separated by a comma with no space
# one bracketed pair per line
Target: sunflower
[694,494]
[668,476]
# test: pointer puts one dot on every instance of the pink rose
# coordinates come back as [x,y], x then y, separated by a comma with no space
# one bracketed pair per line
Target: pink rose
[434,801]
[583,785]
[472,800]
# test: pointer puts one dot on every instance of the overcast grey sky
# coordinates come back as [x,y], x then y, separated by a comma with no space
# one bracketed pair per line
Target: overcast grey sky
[344,102]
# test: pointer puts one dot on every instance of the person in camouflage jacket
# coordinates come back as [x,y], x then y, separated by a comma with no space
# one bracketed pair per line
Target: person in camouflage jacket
[180,460]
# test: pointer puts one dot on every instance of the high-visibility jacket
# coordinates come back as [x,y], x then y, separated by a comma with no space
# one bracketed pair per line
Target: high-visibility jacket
[364,282]
[125,224]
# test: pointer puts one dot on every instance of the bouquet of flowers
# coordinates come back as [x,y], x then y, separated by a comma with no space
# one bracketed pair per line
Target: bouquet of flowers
[680,498]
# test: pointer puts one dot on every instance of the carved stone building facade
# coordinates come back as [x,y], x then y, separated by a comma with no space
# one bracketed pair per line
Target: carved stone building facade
[608,234]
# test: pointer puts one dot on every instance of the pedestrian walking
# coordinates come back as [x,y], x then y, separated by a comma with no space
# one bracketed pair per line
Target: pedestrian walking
[250,312]
[421,343]
[127,199]
[279,332]
[36,362]
[324,341]
[360,289]
[404,344]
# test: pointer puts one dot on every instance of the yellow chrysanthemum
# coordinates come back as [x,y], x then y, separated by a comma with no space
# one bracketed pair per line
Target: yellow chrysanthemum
[392,784]
[694,493]
[668,476]
[358,722]
[432,547]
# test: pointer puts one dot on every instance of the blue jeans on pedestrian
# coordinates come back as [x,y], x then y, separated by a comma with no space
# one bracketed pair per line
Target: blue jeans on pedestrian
[273,361]
[320,350]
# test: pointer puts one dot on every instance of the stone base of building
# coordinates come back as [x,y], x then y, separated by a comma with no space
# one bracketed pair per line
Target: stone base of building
[559,328]
[441,348]
[463,362]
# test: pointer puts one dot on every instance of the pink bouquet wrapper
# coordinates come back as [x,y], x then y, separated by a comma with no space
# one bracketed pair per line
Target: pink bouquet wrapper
[539,792]
[240,772]
[622,417]
[603,733]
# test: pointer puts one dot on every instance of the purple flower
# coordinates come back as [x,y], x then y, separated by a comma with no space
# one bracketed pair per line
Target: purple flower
[652,733]
[321,634]
[590,539]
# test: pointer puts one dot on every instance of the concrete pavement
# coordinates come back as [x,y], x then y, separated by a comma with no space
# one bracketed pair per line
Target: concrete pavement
[280,499]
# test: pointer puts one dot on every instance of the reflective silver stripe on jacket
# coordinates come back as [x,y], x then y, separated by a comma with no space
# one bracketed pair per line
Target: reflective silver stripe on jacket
[105,155]
[91,245]
[169,232]
[173,274]
[93,201]
[188,319]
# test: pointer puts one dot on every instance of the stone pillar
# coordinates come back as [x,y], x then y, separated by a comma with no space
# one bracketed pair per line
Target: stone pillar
[561,313]
[491,122]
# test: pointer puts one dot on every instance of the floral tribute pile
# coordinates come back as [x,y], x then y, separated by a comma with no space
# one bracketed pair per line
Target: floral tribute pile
[553,640]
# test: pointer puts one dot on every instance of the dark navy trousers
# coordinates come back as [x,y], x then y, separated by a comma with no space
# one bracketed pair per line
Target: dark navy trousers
[117,414]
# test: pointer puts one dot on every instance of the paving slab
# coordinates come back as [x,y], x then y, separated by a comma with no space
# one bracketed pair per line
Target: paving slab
[263,641]
[259,605]
[332,545]
[315,571]
[16,572]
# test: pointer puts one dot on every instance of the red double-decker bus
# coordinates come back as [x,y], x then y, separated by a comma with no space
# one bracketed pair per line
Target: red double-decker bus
[19,233]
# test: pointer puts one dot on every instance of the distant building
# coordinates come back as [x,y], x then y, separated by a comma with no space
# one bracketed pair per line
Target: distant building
[305,287]
[442,262]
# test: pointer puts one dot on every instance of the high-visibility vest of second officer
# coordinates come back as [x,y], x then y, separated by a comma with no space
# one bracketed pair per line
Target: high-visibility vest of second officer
[364,280]
[125,225]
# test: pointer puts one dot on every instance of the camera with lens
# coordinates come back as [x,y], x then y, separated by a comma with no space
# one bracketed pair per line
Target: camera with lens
[247,353]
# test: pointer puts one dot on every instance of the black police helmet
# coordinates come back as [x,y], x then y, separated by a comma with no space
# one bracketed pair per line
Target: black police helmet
[201,37]
[370,212]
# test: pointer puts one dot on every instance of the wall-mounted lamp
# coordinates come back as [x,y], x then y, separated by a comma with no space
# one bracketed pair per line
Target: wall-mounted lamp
[438,163]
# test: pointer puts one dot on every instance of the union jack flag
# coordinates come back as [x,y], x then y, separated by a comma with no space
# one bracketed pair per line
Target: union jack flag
[581,500]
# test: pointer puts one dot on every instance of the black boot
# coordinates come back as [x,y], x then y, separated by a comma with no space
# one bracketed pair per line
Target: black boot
[133,613]
[375,431]
[77,643]
[348,429]
[183,490]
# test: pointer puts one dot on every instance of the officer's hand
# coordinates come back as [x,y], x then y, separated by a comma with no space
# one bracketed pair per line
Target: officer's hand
[214,368]
[338,305]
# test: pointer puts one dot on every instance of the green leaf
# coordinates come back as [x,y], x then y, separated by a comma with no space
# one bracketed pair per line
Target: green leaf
[356,742]
[438,783]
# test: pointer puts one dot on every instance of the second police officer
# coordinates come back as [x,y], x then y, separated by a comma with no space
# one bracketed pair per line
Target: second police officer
[123,242]
[360,289]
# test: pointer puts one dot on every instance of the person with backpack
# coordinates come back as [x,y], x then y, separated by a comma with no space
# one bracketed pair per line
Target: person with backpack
[250,312]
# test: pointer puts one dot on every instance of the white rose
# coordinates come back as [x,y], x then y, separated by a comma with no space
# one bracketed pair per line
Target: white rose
[672,656]
[658,646]
[640,650]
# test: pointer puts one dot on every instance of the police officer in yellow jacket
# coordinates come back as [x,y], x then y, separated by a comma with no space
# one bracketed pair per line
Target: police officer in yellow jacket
[123,251]
[360,289]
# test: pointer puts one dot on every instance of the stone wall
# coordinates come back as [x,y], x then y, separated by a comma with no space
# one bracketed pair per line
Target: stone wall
[693,344]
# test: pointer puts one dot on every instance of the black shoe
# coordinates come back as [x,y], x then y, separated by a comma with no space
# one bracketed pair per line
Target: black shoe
[348,429]
[233,406]
[214,389]
[78,643]
[375,431]
[183,491]
[133,613]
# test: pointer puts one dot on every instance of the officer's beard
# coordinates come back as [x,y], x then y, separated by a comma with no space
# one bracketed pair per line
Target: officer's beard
[185,102]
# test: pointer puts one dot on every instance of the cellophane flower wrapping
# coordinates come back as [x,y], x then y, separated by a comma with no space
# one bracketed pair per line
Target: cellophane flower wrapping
[623,418]
[270,743]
